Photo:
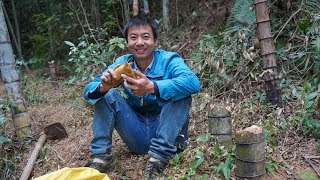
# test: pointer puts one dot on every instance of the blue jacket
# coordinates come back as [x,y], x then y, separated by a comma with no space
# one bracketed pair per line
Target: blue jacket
[172,76]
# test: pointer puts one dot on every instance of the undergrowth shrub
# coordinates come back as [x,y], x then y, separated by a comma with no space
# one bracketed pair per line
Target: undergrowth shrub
[87,59]
[9,153]
[229,66]
[298,41]
[229,56]
[208,153]
[3,108]
[306,96]
[31,92]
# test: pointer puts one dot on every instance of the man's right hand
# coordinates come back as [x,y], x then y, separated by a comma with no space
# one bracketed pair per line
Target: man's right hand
[108,80]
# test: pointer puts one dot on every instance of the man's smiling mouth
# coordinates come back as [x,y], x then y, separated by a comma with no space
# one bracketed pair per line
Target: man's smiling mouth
[140,51]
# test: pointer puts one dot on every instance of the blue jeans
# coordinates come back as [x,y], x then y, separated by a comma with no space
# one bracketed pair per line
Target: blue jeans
[158,135]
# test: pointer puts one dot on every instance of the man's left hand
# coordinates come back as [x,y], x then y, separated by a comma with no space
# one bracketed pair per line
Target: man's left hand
[140,86]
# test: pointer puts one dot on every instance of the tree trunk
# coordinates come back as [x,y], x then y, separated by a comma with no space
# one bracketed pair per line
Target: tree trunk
[146,8]
[15,36]
[96,13]
[16,24]
[165,14]
[20,116]
[125,11]
[135,7]
[316,103]
[272,82]
[177,13]
[50,26]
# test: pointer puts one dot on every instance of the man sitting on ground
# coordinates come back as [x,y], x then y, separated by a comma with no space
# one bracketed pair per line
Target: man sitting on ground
[152,113]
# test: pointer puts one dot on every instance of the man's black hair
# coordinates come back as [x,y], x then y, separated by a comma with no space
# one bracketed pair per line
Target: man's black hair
[141,20]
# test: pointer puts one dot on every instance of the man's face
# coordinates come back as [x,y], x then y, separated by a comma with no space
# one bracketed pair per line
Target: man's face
[141,42]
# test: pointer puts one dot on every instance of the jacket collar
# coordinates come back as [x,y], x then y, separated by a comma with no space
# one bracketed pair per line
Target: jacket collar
[153,70]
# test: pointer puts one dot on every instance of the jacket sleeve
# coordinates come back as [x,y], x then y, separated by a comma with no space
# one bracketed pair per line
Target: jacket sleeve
[91,87]
[180,83]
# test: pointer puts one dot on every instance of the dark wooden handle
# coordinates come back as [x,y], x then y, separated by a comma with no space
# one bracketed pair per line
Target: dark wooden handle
[28,168]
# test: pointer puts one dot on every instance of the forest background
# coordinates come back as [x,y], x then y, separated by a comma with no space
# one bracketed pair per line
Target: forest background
[218,41]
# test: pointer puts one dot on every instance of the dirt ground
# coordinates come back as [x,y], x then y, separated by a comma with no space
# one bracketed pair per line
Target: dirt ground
[65,104]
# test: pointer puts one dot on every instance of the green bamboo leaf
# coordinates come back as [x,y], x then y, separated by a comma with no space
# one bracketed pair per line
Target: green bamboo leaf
[271,167]
[176,159]
[69,43]
[312,95]
[308,104]
[316,66]
[196,163]
[227,167]
[122,46]
[308,175]
[198,155]
[111,48]
[295,93]
[4,139]
[2,120]
[204,137]
[198,160]
[307,86]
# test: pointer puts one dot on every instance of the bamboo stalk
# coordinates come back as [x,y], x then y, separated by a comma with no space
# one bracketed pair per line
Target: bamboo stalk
[219,123]
[250,153]
[272,82]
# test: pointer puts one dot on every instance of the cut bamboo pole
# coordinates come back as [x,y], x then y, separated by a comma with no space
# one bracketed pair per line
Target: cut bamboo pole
[272,82]
[219,123]
[250,153]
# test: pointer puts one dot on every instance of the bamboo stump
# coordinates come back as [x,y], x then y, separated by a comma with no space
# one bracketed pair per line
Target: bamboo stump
[22,124]
[250,153]
[52,70]
[53,74]
[219,122]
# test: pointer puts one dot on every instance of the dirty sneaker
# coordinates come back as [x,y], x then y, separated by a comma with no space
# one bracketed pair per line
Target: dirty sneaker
[154,169]
[103,165]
